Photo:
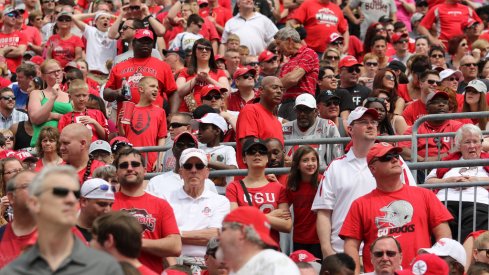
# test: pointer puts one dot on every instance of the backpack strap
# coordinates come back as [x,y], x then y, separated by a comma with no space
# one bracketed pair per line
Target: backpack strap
[248,198]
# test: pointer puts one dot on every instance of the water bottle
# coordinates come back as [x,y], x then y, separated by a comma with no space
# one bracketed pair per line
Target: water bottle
[126,90]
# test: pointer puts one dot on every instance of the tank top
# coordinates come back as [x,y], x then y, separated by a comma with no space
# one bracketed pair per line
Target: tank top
[59,108]
[22,138]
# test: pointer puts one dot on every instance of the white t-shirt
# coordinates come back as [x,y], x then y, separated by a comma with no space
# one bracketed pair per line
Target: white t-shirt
[100,48]
[184,41]
[269,262]
[223,154]
[346,179]
[206,211]
[163,185]
[453,194]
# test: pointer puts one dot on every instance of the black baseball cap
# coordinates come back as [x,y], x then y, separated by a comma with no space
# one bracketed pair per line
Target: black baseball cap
[252,142]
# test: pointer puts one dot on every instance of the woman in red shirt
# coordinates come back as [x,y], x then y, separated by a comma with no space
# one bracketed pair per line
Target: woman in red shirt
[302,185]
[201,72]
[64,46]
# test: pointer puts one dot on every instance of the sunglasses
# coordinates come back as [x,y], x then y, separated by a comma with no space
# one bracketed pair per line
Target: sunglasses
[380,30]
[125,27]
[389,77]
[469,65]
[402,41]
[11,138]
[134,164]
[431,81]
[204,48]
[62,192]
[189,166]
[252,64]
[253,151]
[211,97]
[103,187]
[437,56]
[8,97]
[48,1]
[451,79]
[389,253]
[333,102]
[337,42]
[463,45]
[272,60]
[175,125]
[134,8]
[372,64]
[376,99]
[353,69]
[248,76]
[104,204]
[388,157]
[14,14]
[64,19]
[332,57]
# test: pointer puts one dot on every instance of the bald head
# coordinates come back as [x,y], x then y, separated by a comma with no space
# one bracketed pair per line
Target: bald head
[78,130]
[75,142]
[268,80]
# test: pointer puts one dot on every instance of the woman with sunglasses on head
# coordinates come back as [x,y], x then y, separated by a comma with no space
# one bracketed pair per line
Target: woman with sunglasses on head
[302,185]
[64,46]
[256,190]
[386,79]
[457,48]
[47,147]
[331,57]
[47,106]
[201,72]
[370,69]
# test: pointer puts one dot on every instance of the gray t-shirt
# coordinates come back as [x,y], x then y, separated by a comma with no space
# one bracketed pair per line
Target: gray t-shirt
[373,10]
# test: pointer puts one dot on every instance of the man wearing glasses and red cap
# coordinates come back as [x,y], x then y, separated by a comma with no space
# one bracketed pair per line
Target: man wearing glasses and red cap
[409,214]
[13,43]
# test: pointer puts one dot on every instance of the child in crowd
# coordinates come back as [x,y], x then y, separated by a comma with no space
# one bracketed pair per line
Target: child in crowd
[93,119]
[212,128]
[185,40]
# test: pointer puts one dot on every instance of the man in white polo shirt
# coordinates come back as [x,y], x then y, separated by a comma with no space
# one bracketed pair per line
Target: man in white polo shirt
[198,211]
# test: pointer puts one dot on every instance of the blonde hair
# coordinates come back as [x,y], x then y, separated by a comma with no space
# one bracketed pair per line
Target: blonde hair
[232,37]
[330,50]
[370,56]
[47,63]
[77,84]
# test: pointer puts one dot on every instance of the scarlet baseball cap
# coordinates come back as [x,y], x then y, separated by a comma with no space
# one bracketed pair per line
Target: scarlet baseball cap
[188,134]
[349,61]
[468,23]
[253,217]
[265,56]
[242,71]
[436,94]
[142,33]
[24,156]
[209,88]
[359,112]
[38,60]
[397,36]
[426,264]
[334,36]
[302,256]
[218,57]
[381,149]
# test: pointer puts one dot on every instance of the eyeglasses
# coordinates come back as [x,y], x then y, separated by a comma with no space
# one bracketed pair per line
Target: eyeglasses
[364,122]
[332,57]
[178,125]
[125,27]
[11,138]
[204,48]
[134,164]
[379,254]
[353,69]
[389,77]
[333,102]
[14,171]
[469,65]
[62,192]
[64,19]
[104,204]
[431,81]
[189,166]
[253,151]
[372,64]
[248,76]
[54,72]
[211,97]
[103,187]
[8,97]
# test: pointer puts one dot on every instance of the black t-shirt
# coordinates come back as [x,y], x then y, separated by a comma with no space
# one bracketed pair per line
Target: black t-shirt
[358,93]
[85,232]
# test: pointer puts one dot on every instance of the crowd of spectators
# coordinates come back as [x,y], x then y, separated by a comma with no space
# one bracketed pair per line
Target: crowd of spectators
[95,95]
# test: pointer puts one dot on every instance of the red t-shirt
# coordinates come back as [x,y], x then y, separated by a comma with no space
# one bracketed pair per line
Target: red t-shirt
[409,215]
[402,91]
[63,50]
[449,126]
[320,20]
[304,218]
[40,165]
[157,218]
[134,69]
[266,198]
[236,102]
[355,47]
[32,34]
[256,121]
[144,270]
[308,60]
[220,14]
[93,84]
[11,245]
[414,111]
[208,31]
[15,39]
[148,124]
[95,164]
[448,19]
[71,117]
[198,86]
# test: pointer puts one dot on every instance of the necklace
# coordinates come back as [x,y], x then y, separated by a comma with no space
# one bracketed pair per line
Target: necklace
[73,115]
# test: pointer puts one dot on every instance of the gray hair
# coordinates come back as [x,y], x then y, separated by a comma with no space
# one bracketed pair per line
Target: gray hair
[466,129]
[38,182]
[250,233]
[12,181]
[286,33]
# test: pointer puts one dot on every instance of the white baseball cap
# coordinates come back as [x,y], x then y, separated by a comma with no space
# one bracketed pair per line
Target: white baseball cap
[307,100]
[478,86]
[193,152]
[359,112]
[448,247]
[448,72]
[99,145]
[97,189]
[212,118]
